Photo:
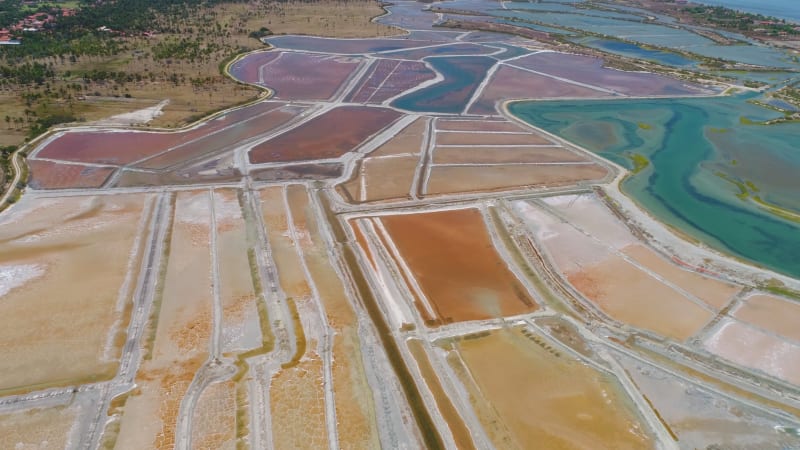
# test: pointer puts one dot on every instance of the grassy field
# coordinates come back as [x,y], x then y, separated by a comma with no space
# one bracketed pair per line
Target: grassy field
[190,80]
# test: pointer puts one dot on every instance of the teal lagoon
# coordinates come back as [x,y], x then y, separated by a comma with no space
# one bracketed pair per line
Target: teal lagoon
[636,51]
[700,150]
[462,76]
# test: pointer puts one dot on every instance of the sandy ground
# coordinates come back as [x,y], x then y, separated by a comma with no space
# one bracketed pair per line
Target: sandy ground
[588,213]
[478,125]
[290,271]
[713,292]
[451,255]
[387,179]
[36,429]
[490,139]
[387,172]
[543,398]
[639,291]
[753,348]
[66,262]
[214,421]
[138,117]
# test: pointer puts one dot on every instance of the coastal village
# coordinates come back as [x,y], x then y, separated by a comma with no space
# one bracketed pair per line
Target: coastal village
[33,23]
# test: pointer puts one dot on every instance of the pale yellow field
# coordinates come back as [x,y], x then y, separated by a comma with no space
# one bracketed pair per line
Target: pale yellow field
[64,262]
[38,428]
[543,398]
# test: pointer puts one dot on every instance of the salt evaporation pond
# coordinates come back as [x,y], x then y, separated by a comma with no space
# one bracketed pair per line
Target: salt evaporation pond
[462,75]
[657,35]
[689,143]
[635,51]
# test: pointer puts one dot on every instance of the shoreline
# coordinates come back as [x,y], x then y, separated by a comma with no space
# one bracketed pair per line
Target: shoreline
[665,237]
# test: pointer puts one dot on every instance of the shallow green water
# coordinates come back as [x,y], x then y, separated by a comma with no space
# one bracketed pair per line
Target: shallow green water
[690,143]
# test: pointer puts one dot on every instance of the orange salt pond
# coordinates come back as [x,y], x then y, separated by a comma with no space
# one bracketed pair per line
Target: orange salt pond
[452,257]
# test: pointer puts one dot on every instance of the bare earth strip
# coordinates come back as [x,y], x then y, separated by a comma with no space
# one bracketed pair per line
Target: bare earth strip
[183,331]
[240,326]
[353,396]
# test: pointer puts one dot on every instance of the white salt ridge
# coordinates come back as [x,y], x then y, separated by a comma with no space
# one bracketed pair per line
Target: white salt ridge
[12,277]
[194,209]
[226,207]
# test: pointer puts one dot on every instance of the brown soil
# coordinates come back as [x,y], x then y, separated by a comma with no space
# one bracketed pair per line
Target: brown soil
[183,329]
[290,271]
[50,175]
[330,135]
[214,420]
[354,404]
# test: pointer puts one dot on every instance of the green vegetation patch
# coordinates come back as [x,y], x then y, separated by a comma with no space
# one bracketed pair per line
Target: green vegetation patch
[640,162]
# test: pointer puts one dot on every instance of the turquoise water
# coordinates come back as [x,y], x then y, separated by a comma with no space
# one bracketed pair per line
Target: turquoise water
[785,9]
[462,75]
[658,35]
[689,142]
[635,51]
